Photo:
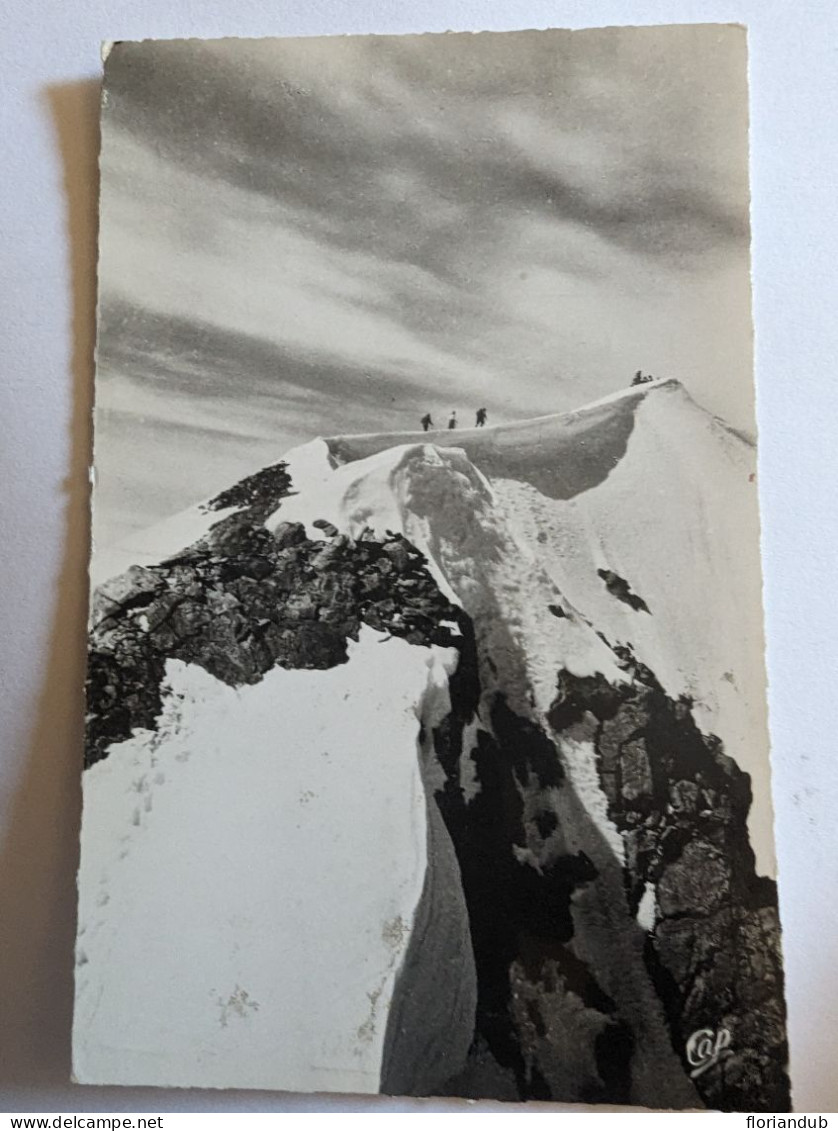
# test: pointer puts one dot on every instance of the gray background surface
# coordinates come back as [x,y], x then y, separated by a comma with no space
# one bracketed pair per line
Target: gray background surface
[48,134]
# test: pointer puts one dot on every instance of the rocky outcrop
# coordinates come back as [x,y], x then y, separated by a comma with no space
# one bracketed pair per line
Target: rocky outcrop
[544,1028]
[256,495]
[242,600]
[618,587]
[713,948]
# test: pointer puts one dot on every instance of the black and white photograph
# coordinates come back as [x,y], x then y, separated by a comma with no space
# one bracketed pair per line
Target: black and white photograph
[426,747]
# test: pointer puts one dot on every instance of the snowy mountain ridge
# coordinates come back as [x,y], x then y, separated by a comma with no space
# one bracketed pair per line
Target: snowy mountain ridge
[547,641]
[699,504]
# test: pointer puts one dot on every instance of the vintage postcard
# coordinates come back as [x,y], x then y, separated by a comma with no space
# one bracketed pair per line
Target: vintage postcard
[426,745]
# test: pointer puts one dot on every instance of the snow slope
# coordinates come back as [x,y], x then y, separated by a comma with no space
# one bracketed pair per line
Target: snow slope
[664,496]
[238,919]
[677,519]
[562,454]
[438,499]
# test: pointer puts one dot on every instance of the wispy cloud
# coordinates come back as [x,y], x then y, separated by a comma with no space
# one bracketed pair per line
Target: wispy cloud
[346,232]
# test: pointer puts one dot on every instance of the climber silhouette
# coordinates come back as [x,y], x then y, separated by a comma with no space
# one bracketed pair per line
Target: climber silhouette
[452,423]
[426,422]
[481,418]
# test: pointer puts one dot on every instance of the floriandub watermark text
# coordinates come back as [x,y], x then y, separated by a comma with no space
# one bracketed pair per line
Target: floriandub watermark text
[779,1121]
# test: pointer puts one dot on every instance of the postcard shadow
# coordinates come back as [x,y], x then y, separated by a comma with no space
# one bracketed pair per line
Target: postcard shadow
[40,849]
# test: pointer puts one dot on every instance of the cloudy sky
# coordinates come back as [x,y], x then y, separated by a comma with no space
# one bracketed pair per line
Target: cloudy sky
[311,236]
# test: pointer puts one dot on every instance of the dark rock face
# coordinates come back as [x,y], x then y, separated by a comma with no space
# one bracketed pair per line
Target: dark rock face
[681,806]
[242,600]
[544,1028]
[618,587]
[257,494]
[539,1008]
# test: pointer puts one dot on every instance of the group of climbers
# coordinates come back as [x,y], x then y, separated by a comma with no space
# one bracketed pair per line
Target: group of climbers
[480,419]
[640,378]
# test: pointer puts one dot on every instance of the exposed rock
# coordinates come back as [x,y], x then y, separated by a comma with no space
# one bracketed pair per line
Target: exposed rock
[575,695]
[289,534]
[258,494]
[563,1037]
[328,528]
[132,588]
[618,587]
[635,771]
[541,1017]
[697,883]
[240,601]
[681,805]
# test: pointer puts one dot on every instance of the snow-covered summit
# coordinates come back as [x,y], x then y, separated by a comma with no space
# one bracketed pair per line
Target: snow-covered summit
[561,454]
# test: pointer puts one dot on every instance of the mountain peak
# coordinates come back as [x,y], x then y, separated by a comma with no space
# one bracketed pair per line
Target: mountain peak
[561,454]
[631,395]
